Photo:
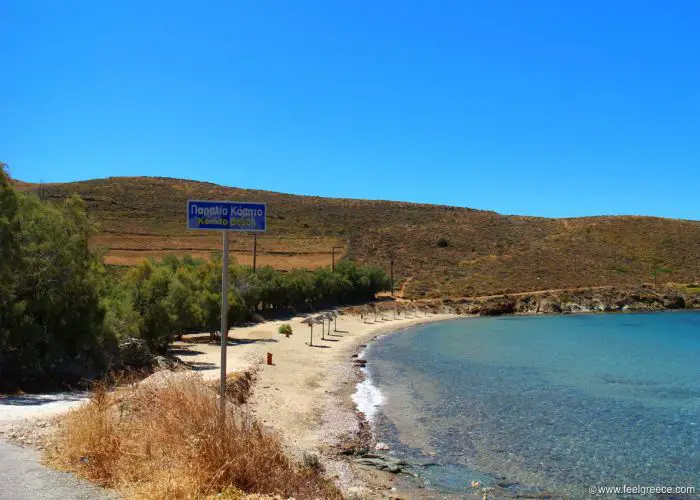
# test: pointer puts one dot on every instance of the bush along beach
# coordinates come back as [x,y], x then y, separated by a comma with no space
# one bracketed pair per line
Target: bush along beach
[64,315]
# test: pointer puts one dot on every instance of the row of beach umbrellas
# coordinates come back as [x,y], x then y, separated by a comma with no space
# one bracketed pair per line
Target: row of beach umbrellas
[320,319]
[406,308]
[331,316]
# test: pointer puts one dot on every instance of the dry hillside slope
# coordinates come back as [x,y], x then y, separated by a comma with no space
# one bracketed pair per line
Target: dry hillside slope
[438,250]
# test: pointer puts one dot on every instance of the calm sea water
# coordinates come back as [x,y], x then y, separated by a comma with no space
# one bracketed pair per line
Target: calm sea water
[556,403]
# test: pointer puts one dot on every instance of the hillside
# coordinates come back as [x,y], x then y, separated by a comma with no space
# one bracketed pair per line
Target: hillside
[481,252]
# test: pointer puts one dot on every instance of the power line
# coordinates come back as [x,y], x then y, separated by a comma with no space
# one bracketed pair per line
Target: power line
[333,258]
[391,274]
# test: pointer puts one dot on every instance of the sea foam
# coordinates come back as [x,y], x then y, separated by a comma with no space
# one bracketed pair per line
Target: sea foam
[368,398]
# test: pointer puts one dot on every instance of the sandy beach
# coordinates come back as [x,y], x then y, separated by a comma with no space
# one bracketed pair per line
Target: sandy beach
[305,395]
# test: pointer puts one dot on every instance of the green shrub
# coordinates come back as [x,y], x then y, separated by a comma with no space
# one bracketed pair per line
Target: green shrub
[285,329]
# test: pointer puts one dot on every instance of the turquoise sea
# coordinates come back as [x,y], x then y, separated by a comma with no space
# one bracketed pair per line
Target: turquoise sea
[532,404]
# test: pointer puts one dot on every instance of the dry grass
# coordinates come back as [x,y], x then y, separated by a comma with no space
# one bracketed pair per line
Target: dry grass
[238,385]
[168,440]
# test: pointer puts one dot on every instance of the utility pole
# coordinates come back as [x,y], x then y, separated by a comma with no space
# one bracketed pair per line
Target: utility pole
[41,190]
[255,250]
[224,323]
[86,235]
[391,273]
[333,258]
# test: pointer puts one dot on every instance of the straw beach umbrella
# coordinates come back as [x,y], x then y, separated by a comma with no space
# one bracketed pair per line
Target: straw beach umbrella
[310,321]
[319,320]
[329,316]
[335,315]
[373,308]
[322,319]
[365,313]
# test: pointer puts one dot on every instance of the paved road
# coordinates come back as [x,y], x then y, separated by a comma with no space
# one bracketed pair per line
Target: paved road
[22,477]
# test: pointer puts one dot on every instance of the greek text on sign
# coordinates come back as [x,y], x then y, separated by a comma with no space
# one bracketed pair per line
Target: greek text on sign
[226,215]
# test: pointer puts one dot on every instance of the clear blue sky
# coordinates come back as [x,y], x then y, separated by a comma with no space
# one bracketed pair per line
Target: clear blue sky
[554,108]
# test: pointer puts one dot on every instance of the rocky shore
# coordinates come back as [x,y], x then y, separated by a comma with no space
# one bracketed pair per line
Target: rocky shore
[608,299]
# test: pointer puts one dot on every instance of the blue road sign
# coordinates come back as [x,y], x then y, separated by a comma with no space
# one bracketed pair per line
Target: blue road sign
[226,216]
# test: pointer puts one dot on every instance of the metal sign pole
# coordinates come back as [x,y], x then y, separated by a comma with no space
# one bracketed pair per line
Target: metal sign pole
[226,216]
[255,250]
[224,319]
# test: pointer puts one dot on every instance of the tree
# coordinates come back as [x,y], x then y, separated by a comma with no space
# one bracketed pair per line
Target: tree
[151,285]
[181,303]
[51,307]
[9,254]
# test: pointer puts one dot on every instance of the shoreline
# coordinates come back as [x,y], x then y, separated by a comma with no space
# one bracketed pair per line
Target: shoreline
[305,396]
[337,424]
[397,486]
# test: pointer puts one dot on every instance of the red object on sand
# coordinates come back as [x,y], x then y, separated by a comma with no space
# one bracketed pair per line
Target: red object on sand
[269,358]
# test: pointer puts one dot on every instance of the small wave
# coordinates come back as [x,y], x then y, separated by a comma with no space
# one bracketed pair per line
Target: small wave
[368,398]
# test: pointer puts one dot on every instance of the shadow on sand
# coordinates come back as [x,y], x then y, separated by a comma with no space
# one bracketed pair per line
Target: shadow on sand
[183,351]
[200,366]
[250,341]
[205,338]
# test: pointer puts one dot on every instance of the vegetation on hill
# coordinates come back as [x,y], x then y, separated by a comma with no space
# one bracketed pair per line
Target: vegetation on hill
[437,250]
[63,314]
